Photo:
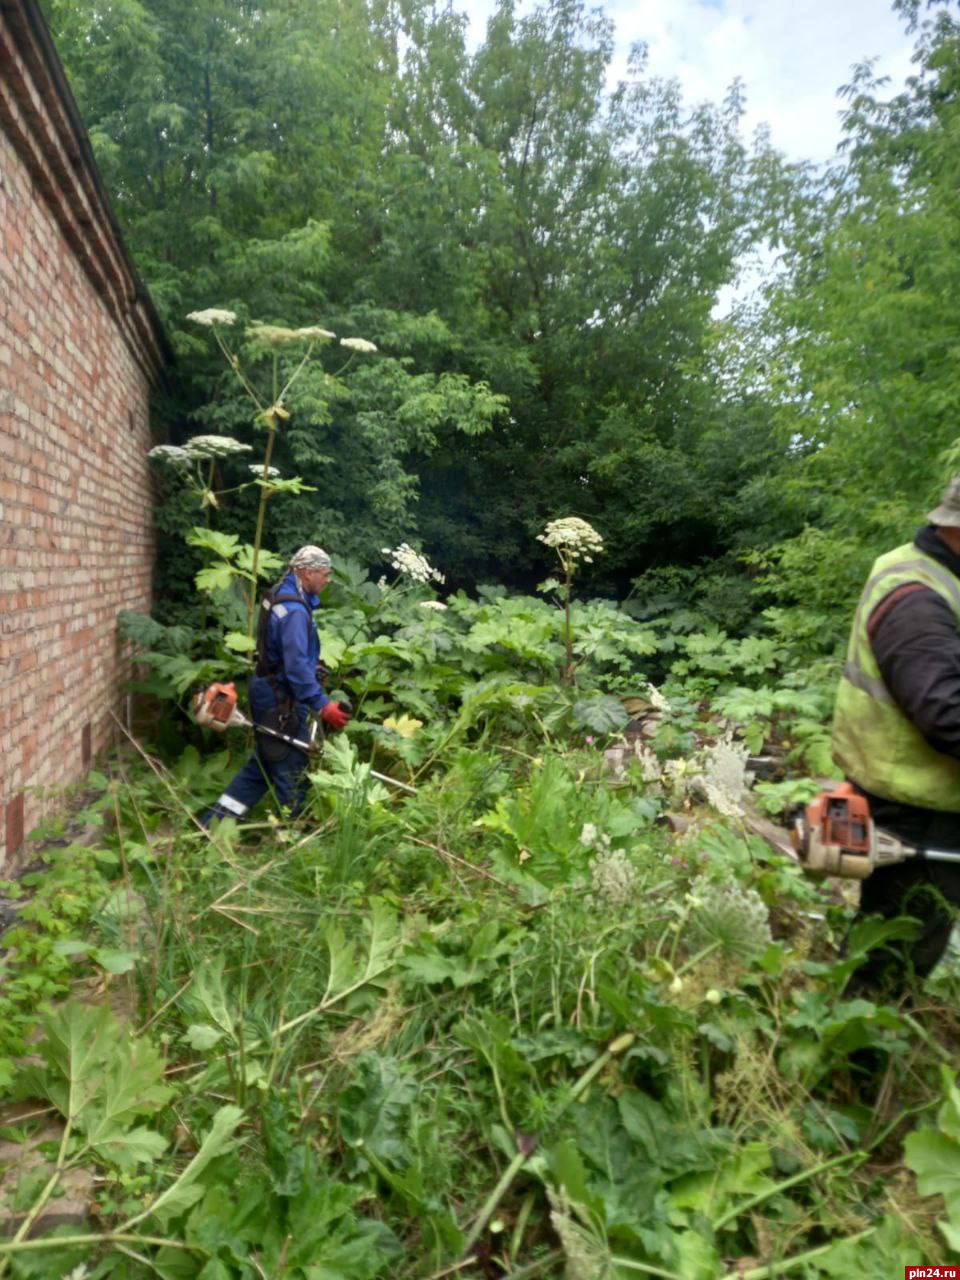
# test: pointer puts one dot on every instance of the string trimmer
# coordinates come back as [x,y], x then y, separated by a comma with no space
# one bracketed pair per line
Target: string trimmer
[216,708]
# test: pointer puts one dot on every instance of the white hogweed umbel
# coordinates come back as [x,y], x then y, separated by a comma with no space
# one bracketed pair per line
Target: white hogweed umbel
[313,333]
[172,453]
[613,879]
[274,335]
[725,779]
[213,316]
[199,449]
[573,540]
[410,564]
[730,915]
[358,344]
[657,700]
[215,447]
[281,335]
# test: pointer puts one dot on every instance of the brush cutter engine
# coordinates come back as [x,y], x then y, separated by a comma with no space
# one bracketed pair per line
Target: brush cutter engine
[836,836]
[216,708]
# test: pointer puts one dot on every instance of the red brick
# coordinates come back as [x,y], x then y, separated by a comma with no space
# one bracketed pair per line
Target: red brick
[76,495]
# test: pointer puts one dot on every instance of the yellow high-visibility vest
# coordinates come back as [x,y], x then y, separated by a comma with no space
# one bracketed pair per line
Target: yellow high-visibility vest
[874,743]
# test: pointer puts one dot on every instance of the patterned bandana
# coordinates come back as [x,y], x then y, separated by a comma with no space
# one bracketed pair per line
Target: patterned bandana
[310,558]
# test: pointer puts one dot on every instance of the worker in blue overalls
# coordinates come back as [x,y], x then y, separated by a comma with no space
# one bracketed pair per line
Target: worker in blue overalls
[285,688]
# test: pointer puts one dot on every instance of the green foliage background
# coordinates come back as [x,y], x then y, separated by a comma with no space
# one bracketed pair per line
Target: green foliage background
[538,258]
[493,218]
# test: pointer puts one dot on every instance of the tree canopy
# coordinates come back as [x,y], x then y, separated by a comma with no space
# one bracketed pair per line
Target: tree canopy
[537,254]
[496,220]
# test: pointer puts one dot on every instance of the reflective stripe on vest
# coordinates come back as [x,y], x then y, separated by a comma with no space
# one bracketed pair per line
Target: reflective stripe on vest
[869,684]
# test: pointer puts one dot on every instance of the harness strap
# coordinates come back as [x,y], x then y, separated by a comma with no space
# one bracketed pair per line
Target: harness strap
[269,602]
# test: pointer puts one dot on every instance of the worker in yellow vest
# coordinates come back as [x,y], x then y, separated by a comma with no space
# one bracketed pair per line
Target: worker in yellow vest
[896,735]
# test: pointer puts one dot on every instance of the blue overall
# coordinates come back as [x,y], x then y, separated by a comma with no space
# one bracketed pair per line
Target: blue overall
[292,656]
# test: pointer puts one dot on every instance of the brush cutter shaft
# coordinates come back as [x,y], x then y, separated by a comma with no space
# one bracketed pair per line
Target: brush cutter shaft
[393,782]
[310,748]
[314,748]
[216,707]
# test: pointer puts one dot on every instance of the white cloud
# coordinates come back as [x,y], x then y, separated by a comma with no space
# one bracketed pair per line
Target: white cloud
[792,57]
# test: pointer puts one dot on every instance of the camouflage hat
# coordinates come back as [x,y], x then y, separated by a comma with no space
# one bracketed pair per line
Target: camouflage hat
[948,512]
[310,558]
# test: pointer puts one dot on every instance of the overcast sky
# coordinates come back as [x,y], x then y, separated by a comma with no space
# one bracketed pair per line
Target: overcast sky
[792,55]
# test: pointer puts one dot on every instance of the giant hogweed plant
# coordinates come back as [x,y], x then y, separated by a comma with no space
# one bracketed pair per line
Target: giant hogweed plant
[576,542]
[434,671]
[180,657]
[263,340]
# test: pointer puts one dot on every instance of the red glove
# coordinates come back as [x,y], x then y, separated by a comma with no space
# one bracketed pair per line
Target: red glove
[333,716]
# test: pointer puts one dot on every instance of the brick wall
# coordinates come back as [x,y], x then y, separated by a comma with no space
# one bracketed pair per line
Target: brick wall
[79,348]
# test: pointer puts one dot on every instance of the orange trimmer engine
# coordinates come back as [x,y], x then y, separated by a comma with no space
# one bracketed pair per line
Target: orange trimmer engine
[216,707]
[836,836]
[843,819]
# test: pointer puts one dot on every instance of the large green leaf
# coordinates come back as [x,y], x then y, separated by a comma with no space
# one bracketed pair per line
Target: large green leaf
[208,994]
[187,1189]
[126,1148]
[935,1159]
[600,714]
[101,1079]
[77,1044]
[221,544]
[352,967]
[238,642]
[739,1175]
[216,577]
